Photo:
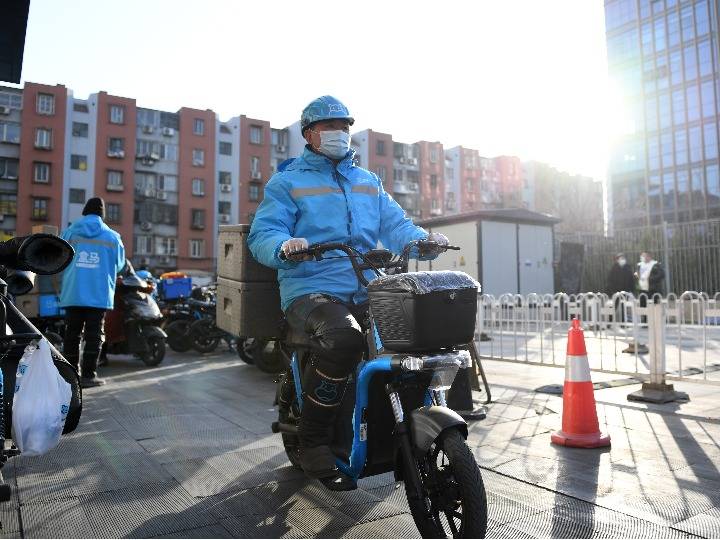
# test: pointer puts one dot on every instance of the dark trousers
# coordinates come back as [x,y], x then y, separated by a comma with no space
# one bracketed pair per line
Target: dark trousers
[335,330]
[88,322]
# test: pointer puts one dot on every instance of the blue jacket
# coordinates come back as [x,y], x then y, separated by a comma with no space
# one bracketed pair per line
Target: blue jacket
[313,199]
[89,281]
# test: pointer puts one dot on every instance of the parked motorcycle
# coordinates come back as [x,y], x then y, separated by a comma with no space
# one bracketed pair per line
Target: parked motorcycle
[394,415]
[133,325]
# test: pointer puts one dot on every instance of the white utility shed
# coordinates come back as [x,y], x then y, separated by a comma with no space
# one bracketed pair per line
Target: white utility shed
[507,250]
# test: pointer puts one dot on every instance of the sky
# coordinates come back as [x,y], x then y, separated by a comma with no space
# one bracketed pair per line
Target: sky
[506,77]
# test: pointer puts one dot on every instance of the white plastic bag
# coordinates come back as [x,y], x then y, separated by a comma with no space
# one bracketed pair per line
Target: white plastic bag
[41,401]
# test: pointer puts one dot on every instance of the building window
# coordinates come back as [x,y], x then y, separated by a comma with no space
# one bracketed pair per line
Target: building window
[225,148]
[11,100]
[80,129]
[198,187]
[254,165]
[114,181]
[224,129]
[43,138]
[78,162]
[199,126]
[167,182]
[80,107]
[198,157]
[143,245]
[39,209]
[433,154]
[45,104]
[256,135]
[166,245]
[117,114]
[224,178]
[41,172]
[380,148]
[10,132]
[112,213]
[397,175]
[116,147]
[224,207]
[254,192]
[8,204]
[169,152]
[197,249]
[77,196]
[381,172]
[8,169]
[198,219]
[434,204]
[433,181]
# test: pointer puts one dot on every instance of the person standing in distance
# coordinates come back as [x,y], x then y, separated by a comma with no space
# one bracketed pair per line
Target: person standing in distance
[88,287]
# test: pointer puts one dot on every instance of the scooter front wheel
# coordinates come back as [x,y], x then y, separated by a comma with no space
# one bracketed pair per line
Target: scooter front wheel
[156,352]
[454,503]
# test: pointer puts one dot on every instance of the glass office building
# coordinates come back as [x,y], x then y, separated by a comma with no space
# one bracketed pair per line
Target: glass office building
[663,58]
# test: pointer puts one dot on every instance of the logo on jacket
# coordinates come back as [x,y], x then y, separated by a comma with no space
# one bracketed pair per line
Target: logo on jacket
[88,259]
[327,392]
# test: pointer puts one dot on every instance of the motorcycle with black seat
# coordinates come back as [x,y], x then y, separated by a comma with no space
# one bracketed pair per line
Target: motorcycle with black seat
[20,259]
[417,330]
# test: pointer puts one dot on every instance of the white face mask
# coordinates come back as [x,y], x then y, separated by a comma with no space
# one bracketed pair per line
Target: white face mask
[622,261]
[334,144]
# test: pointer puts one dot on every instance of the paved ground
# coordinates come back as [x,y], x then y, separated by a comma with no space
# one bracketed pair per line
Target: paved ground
[185,451]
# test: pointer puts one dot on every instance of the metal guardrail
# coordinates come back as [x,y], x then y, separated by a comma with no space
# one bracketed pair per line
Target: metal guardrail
[533,329]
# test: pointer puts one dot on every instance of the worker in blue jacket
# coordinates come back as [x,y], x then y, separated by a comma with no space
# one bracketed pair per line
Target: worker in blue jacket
[88,287]
[322,197]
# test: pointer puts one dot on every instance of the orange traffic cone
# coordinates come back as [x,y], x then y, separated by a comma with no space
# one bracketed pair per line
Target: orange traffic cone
[580,426]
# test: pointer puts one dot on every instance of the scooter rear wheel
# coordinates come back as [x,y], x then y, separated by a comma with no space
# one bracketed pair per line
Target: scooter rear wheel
[454,503]
[201,336]
[178,332]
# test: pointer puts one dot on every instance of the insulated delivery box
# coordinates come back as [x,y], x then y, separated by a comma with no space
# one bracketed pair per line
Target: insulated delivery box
[248,295]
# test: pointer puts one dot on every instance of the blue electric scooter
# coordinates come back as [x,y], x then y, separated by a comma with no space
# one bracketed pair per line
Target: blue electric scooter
[394,416]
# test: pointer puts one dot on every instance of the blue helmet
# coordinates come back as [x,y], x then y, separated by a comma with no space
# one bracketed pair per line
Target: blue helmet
[324,108]
[143,274]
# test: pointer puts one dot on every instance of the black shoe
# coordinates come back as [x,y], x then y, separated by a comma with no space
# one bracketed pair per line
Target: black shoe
[89,382]
[318,462]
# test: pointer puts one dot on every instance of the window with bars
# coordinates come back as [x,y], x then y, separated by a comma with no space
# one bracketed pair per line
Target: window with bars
[225,148]
[43,138]
[77,196]
[78,162]
[114,181]
[8,204]
[224,178]
[199,126]
[79,129]
[256,134]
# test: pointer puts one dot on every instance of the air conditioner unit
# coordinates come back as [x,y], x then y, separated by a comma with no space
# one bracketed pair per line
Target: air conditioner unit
[116,153]
[146,226]
[280,148]
[256,175]
[197,163]
[148,129]
[224,218]
[168,131]
[149,193]
[4,109]
[412,161]
[226,188]
[161,195]
[401,159]
[154,155]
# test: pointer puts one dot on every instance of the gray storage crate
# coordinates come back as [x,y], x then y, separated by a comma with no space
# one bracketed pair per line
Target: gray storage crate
[249,309]
[234,258]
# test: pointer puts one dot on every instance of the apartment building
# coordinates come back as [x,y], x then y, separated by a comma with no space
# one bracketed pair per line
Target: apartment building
[10,120]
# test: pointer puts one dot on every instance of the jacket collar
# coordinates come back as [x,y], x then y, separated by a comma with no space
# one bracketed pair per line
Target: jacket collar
[314,161]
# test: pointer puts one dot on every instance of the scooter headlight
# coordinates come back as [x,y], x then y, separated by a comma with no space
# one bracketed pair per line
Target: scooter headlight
[412,363]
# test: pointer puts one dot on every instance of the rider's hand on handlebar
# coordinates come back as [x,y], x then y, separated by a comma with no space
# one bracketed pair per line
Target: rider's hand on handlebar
[438,238]
[292,246]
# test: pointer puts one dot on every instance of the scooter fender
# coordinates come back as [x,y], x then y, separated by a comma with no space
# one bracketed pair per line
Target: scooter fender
[154,331]
[427,423]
